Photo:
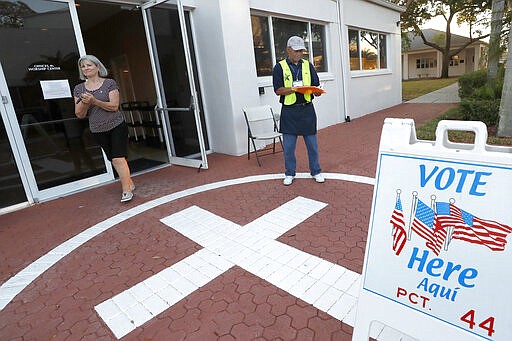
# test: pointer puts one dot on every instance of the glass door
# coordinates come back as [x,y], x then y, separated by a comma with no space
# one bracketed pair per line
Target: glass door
[179,104]
[12,189]
[38,56]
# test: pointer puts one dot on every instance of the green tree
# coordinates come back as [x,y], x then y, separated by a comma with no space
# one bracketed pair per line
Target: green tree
[495,50]
[12,14]
[505,123]
[475,13]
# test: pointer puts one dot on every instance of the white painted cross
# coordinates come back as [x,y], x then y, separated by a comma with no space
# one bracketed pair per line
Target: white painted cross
[327,286]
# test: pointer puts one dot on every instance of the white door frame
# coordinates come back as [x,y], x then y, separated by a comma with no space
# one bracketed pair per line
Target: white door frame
[161,108]
[13,134]
[17,143]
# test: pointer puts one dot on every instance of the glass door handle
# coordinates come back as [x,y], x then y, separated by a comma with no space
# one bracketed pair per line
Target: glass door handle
[192,105]
[172,109]
[4,98]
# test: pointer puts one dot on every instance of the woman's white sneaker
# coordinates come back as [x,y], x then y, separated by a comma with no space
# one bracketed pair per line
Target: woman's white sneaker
[126,196]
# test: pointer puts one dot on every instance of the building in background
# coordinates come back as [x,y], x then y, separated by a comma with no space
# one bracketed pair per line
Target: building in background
[422,61]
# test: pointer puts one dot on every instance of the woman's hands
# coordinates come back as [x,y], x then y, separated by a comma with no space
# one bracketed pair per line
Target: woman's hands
[82,103]
[87,98]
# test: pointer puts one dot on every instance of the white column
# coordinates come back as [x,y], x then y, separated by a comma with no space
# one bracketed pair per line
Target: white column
[478,55]
[405,66]
[439,63]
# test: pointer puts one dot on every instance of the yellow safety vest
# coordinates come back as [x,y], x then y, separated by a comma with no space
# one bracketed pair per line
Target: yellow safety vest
[288,81]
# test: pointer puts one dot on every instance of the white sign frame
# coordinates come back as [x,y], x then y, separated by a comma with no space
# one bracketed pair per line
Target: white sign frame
[459,292]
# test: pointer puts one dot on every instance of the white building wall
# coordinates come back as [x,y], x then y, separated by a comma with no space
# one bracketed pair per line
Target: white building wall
[224,51]
[329,107]
[223,37]
[459,69]
[371,91]
[405,66]
[414,72]
[469,60]
[439,63]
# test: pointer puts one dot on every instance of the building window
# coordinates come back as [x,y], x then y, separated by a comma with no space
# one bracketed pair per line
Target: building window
[426,63]
[367,50]
[353,49]
[319,49]
[266,55]
[383,56]
[261,42]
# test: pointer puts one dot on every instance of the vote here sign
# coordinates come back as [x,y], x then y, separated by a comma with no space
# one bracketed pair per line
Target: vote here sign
[439,250]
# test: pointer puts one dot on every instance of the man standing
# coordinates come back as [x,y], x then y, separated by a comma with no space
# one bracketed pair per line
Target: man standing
[298,115]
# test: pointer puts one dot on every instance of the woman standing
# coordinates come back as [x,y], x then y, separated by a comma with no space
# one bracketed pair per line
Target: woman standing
[98,98]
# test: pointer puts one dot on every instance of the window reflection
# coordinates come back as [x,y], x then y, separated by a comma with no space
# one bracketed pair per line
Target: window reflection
[319,52]
[261,42]
[42,47]
[11,188]
[283,29]
[383,57]
[367,50]
[353,49]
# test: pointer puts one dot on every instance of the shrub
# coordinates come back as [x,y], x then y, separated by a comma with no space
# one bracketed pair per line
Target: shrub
[476,109]
[491,90]
[471,81]
[480,99]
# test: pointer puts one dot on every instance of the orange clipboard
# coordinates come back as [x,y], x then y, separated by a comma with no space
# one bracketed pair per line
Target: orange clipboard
[306,90]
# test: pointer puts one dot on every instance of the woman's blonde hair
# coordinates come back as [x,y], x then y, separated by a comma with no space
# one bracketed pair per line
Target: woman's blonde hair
[93,59]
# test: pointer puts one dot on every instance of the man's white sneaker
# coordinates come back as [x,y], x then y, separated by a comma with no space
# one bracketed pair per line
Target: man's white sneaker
[288,179]
[319,178]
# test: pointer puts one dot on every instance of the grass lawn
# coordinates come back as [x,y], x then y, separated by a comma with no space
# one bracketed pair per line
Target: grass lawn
[427,131]
[417,87]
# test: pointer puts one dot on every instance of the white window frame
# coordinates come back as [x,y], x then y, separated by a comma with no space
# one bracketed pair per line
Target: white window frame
[426,62]
[309,44]
[361,72]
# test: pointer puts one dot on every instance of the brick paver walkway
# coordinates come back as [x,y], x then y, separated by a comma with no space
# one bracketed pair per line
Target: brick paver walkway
[235,305]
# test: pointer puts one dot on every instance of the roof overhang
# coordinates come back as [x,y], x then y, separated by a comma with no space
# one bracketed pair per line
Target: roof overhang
[388,4]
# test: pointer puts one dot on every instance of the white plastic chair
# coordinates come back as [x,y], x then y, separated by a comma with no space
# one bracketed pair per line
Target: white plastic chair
[261,125]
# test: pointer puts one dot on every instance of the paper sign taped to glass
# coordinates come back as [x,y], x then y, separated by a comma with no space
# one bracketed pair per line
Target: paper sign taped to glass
[439,248]
[307,90]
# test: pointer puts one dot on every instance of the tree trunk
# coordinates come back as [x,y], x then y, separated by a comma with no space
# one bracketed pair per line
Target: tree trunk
[495,38]
[445,65]
[505,124]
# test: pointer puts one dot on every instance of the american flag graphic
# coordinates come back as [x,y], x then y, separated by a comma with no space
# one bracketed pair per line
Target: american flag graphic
[445,216]
[399,234]
[424,224]
[476,230]
[441,225]
[448,222]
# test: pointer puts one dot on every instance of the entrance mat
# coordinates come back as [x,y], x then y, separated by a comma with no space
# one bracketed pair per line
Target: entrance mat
[141,164]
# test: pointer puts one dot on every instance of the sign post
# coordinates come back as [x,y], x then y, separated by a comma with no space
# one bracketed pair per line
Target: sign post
[437,263]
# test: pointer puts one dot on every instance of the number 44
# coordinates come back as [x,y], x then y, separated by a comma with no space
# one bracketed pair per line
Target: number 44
[487,324]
